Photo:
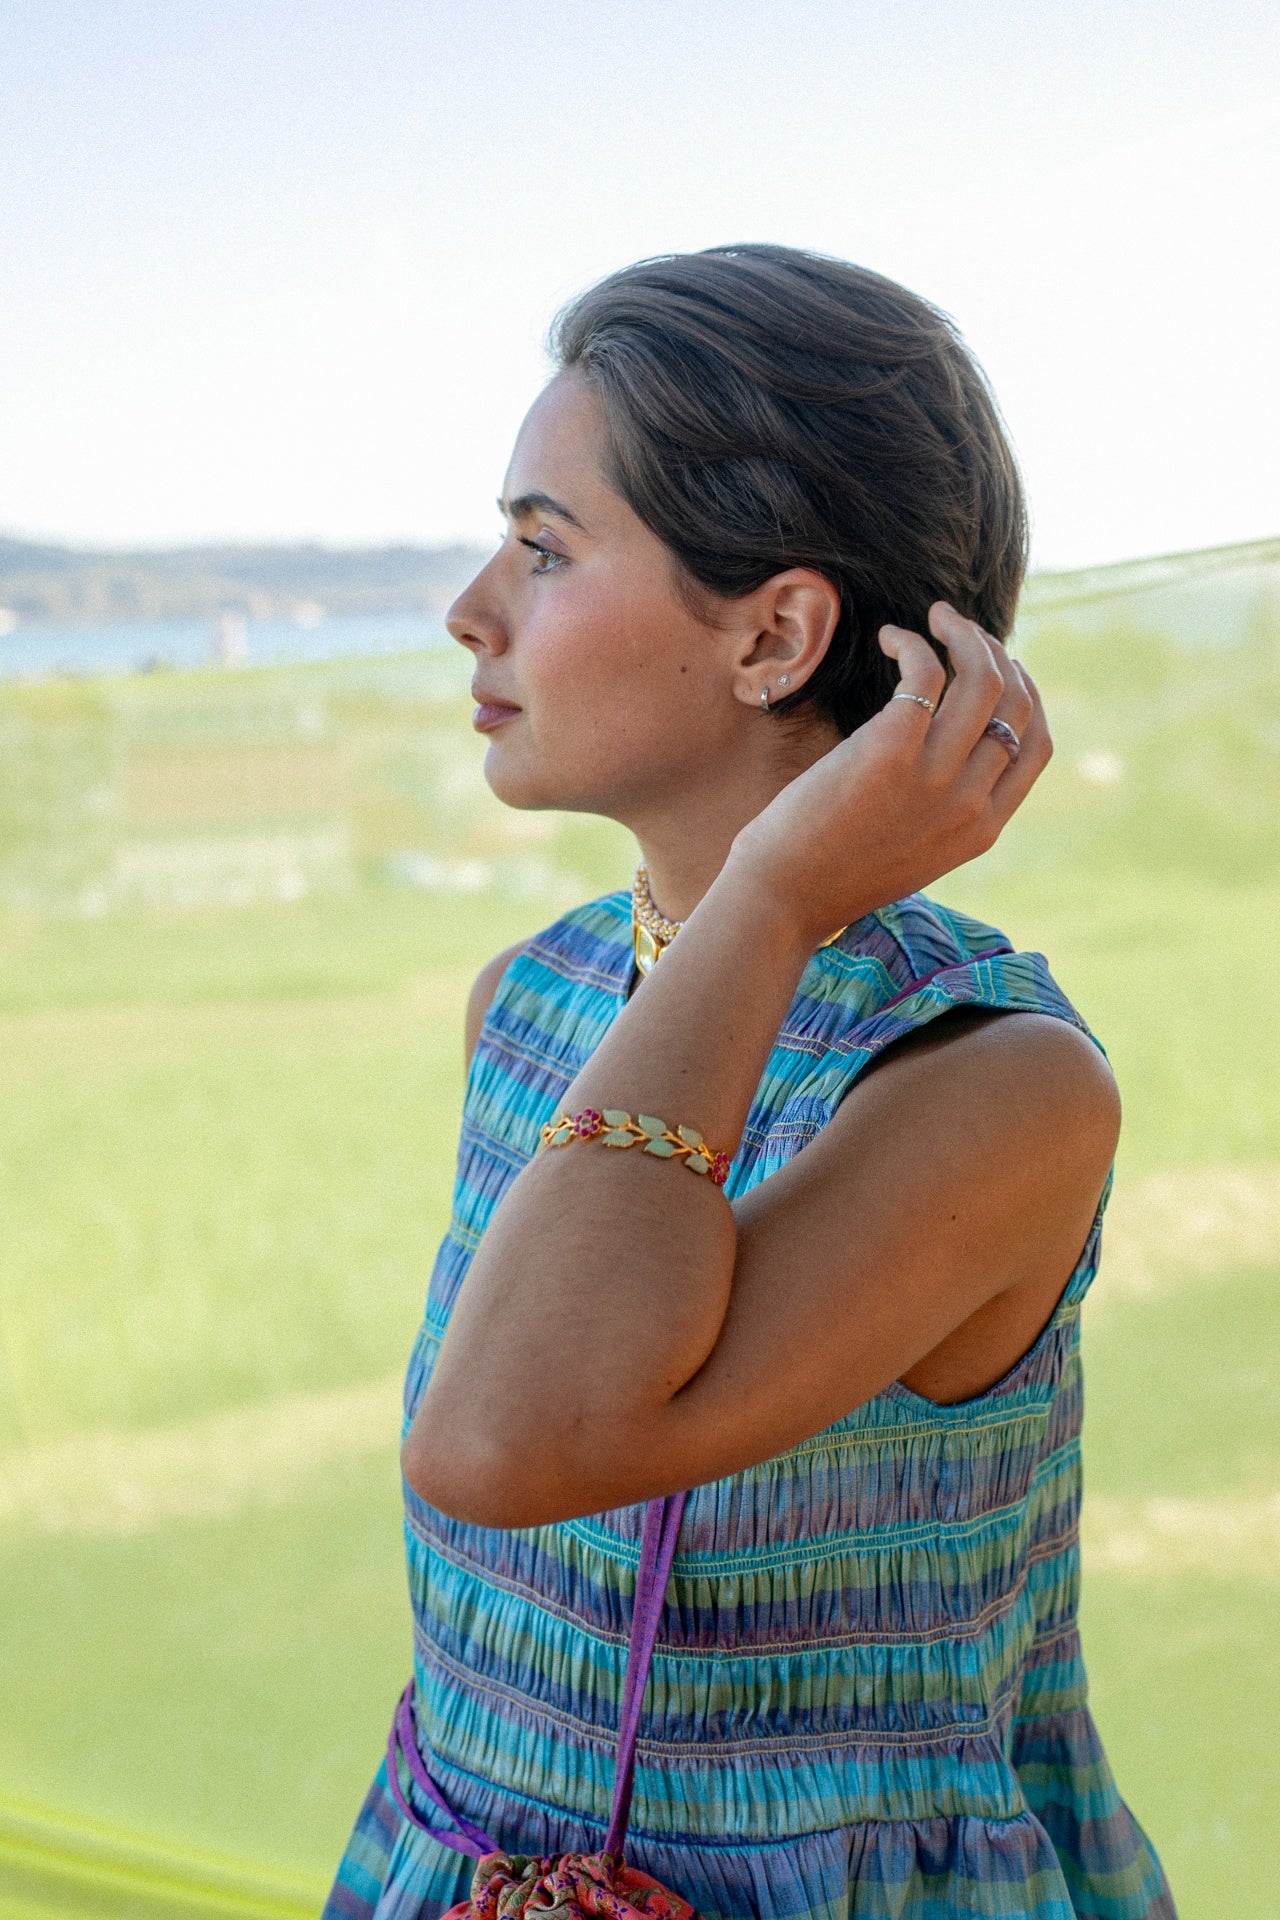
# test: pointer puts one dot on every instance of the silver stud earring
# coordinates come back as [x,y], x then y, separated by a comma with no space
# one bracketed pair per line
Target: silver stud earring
[764,699]
[784,679]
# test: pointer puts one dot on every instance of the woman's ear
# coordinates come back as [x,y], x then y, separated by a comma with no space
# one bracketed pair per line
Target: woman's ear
[786,627]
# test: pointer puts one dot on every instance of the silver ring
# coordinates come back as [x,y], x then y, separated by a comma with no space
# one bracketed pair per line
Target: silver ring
[1001,730]
[917,697]
[764,700]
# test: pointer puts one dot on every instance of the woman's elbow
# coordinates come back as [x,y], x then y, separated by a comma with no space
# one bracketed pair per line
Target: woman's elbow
[486,1478]
[463,1477]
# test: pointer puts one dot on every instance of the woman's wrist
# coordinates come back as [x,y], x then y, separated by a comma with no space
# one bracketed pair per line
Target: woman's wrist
[757,885]
[741,950]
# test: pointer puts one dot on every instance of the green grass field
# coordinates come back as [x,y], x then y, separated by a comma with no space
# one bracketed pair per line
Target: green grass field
[238,920]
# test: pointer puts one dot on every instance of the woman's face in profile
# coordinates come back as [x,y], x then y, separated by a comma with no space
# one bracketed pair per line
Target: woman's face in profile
[595,682]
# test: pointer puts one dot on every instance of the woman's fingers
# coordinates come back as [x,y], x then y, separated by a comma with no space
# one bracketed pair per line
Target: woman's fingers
[918,694]
[1036,749]
[976,691]
[1014,711]
[986,685]
[1014,704]
[964,745]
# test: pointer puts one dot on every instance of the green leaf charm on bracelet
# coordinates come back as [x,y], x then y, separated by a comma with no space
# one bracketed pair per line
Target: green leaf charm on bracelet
[614,1128]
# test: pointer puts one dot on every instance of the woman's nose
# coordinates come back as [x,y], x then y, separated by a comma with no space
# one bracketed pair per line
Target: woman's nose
[473,618]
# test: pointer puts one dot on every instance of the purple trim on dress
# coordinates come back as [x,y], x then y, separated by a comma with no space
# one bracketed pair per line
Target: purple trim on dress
[657,1552]
[948,966]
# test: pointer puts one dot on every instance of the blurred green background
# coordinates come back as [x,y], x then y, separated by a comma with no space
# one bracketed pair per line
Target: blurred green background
[239,914]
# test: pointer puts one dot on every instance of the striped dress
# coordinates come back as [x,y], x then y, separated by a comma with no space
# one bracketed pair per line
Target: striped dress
[867,1696]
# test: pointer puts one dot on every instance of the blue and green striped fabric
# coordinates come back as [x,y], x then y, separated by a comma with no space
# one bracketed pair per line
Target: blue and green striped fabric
[867,1696]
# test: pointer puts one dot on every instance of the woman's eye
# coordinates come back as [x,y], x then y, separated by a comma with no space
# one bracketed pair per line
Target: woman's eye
[544,559]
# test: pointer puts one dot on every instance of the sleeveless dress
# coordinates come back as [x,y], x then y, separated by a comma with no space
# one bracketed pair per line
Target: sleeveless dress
[867,1696]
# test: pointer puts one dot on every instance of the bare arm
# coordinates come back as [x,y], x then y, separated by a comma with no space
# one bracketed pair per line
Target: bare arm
[648,1336]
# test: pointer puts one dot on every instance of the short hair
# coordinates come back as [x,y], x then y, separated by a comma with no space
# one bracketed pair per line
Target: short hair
[769,408]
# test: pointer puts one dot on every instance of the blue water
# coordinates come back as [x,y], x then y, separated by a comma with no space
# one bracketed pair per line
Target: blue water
[139,646]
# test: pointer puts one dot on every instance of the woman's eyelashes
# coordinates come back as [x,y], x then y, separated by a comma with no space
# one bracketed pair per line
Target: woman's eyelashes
[546,560]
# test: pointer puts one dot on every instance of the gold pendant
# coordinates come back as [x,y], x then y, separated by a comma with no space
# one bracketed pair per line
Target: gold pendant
[648,950]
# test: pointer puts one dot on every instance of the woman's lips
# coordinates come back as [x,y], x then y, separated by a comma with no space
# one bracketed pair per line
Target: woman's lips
[491,714]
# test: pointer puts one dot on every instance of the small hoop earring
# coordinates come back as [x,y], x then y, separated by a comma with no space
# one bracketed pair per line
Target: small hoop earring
[764,700]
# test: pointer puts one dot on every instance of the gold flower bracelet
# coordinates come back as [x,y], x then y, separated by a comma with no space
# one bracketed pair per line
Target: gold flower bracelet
[613,1128]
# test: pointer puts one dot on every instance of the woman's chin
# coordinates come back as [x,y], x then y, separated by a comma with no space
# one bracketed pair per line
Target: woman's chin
[528,786]
[519,785]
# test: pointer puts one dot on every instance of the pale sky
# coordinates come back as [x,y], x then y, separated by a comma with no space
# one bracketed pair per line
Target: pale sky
[279,271]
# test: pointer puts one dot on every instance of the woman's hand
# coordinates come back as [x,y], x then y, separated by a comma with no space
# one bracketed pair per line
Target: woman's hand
[909,796]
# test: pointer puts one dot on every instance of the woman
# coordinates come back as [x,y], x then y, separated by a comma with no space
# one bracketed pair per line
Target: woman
[757,481]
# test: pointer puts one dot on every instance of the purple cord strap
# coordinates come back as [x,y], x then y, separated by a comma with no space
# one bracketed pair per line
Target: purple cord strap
[657,1552]
[403,1739]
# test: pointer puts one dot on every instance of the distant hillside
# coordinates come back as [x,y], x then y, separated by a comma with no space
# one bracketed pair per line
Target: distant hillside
[56,583]
[44,582]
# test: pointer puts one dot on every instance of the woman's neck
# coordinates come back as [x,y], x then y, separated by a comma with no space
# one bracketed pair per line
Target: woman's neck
[685,842]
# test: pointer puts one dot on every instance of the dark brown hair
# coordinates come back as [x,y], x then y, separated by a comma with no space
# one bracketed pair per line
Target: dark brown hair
[770,408]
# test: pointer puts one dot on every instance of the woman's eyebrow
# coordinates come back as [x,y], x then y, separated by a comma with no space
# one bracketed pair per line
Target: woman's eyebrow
[526,504]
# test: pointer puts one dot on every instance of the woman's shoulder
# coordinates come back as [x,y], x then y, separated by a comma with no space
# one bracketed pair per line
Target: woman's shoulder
[589,943]
[915,971]
[907,963]
[587,949]
[916,935]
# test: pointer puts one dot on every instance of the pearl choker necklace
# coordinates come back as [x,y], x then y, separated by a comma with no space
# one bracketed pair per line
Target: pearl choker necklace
[652,934]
